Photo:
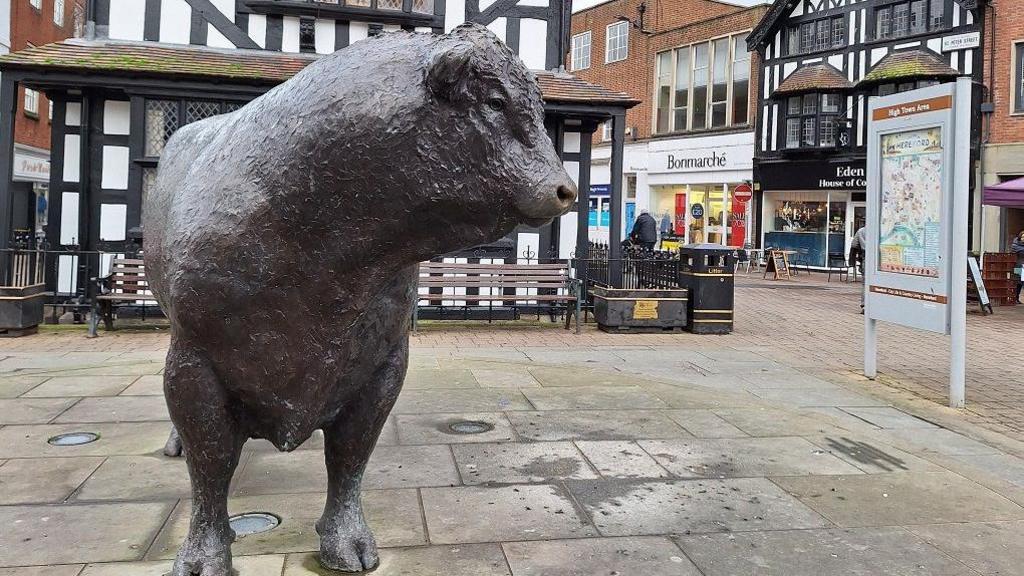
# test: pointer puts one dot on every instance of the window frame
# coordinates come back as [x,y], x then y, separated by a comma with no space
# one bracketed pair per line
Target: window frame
[930,24]
[818,116]
[731,42]
[1017,77]
[804,37]
[574,63]
[58,8]
[624,36]
[37,4]
[33,97]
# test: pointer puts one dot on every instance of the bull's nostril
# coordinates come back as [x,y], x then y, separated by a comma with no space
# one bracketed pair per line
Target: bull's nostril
[566,194]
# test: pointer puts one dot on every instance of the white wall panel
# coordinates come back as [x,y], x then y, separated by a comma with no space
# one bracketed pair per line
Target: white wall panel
[533,43]
[127,19]
[175,21]
[115,168]
[73,114]
[787,69]
[567,225]
[775,124]
[454,13]
[69,217]
[117,117]
[571,142]
[113,221]
[324,33]
[573,169]
[392,27]
[358,31]
[935,45]
[836,61]
[877,54]
[67,277]
[423,30]
[527,243]
[290,34]
[499,27]
[258,29]
[215,39]
[72,157]
[969,61]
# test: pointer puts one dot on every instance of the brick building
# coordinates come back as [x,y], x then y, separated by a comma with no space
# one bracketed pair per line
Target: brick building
[35,23]
[690,142]
[1003,129]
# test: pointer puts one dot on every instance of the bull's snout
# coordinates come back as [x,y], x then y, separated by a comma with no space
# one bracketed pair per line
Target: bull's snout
[552,198]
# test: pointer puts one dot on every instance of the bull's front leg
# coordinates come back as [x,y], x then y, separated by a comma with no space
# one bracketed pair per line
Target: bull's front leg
[346,542]
[212,441]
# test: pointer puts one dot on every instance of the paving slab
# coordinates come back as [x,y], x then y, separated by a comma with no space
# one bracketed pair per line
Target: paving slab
[437,428]
[154,477]
[555,376]
[393,515]
[595,425]
[66,570]
[33,410]
[744,457]
[641,556]
[841,418]
[1002,466]
[871,456]
[527,512]
[43,480]
[889,417]
[460,400]
[305,471]
[127,438]
[991,548]
[830,396]
[468,559]
[782,379]
[778,422]
[508,463]
[593,398]
[691,506]
[857,552]
[36,535]
[149,385]
[690,396]
[705,424]
[14,386]
[65,386]
[901,498]
[418,379]
[938,441]
[118,409]
[114,369]
[270,565]
[517,377]
[620,459]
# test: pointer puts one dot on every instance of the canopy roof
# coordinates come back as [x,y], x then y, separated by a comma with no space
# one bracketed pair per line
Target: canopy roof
[813,78]
[1009,193]
[252,67]
[907,64]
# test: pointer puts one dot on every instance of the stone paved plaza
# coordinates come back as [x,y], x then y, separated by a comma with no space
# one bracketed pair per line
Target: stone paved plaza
[595,455]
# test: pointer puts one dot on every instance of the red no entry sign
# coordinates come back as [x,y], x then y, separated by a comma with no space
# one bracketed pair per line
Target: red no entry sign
[743,193]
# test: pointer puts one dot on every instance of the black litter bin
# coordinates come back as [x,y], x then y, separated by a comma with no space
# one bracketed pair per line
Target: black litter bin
[707,271]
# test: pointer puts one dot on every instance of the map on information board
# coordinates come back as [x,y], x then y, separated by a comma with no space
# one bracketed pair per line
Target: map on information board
[909,236]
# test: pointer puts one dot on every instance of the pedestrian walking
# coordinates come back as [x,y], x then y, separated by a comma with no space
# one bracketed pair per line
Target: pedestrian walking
[858,248]
[645,230]
[1018,249]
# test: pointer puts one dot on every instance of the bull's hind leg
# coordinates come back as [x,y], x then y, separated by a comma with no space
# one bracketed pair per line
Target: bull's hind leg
[346,542]
[212,441]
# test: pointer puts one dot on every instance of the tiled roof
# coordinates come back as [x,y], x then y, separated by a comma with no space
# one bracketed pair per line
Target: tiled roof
[244,66]
[813,78]
[918,64]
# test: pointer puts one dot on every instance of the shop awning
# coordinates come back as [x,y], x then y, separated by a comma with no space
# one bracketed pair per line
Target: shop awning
[1009,194]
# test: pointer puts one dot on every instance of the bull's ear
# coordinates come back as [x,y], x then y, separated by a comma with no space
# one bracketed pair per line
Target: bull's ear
[448,72]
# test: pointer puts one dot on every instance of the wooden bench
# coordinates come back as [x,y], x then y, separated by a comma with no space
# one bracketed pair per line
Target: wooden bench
[536,286]
[124,285]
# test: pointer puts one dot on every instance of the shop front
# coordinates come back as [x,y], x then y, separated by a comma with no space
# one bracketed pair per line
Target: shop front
[30,177]
[698,191]
[811,208]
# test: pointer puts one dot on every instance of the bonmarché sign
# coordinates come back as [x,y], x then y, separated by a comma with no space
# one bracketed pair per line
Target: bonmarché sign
[812,175]
[699,160]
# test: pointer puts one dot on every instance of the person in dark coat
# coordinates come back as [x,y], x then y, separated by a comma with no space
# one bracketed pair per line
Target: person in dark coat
[1018,249]
[645,230]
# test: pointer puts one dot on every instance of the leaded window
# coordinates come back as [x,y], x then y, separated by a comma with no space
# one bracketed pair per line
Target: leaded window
[817,35]
[161,122]
[389,4]
[812,120]
[307,35]
[423,6]
[196,110]
[909,18]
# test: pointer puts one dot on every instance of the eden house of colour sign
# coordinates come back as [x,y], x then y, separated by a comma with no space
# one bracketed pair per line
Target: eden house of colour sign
[917,191]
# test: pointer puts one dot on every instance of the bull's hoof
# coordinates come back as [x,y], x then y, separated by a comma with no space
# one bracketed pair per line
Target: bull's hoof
[173,447]
[208,555]
[349,548]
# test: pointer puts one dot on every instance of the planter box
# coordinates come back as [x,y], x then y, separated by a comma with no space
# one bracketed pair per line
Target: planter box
[639,310]
[21,309]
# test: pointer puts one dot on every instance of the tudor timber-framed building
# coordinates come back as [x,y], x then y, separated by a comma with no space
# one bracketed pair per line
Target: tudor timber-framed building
[822,62]
[148,67]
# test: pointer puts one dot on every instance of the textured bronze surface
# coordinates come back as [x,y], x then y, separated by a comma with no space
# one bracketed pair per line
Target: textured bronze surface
[282,241]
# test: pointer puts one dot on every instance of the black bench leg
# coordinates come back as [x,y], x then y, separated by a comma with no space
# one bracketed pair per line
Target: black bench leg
[94,320]
[108,316]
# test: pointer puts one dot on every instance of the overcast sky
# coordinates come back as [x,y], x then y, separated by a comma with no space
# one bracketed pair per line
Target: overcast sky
[581,4]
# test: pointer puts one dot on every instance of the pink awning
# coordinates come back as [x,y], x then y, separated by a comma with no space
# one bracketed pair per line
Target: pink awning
[1010,194]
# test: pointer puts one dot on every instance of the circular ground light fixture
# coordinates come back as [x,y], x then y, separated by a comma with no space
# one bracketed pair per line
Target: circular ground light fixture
[73,439]
[470,427]
[253,523]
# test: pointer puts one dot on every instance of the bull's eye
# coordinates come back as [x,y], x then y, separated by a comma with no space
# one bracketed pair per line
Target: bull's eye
[496,104]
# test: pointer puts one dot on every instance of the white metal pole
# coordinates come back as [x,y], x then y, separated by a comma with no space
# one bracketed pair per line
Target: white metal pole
[958,255]
[870,346]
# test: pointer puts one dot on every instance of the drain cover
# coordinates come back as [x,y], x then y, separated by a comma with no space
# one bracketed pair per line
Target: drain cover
[470,427]
[253,523]
[73,439]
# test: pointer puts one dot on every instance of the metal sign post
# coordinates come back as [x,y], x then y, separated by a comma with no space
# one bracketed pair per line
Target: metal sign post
[918,172]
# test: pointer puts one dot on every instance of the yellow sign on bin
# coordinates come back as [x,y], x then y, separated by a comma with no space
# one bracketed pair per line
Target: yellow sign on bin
[645,310]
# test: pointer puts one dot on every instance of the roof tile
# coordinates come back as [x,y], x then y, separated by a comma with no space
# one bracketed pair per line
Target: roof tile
[813,78]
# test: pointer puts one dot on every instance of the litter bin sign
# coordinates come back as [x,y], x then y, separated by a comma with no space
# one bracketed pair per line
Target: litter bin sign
[707,271]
